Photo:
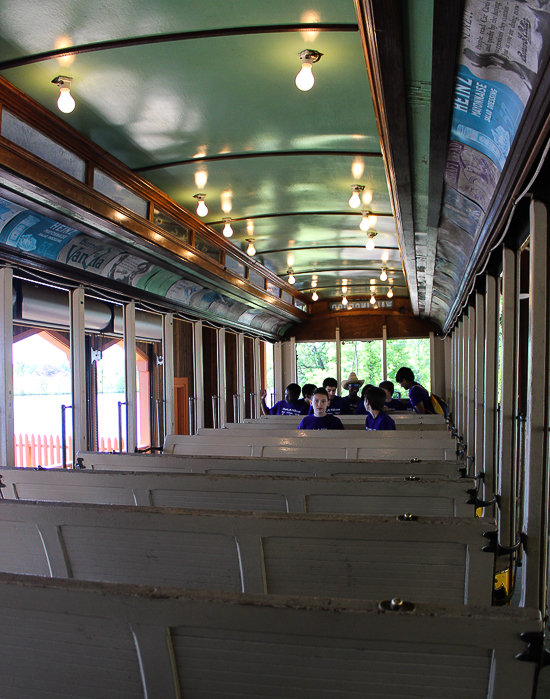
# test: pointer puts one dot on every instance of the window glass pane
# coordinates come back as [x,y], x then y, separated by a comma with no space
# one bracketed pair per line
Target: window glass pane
[364,358]
[170,226]
[287,298]
[414,354]
[207,248]
[35,142]
[269,380]
[111,390]
[316,361]
[255,278]
[41,385]
[273,289]
[234,265]
[115,191]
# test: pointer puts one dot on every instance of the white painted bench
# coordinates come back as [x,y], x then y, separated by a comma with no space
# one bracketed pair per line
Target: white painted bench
[72,639]
[369,557]
[307,448]
[412,437]
[248,493]
[298,466]
[402,418]
[349,424]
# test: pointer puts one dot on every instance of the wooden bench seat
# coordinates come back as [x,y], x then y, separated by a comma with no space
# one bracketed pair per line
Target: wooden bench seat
[244,492]
[427,559]
[349,424]
[298,466]
[72,639]
[400,417]
[306,447]
[412,437]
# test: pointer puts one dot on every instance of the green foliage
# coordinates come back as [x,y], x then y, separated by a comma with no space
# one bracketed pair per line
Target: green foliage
[36,378]
[316,361]
[364,358]
[414,354]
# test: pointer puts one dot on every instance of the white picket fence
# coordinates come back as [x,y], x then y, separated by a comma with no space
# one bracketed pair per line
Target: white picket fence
[45,450]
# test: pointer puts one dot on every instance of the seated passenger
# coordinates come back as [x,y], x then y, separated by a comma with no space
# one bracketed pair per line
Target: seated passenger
[361,410]
[377,419]
[320,420]
[336,404]
[307,392]
[419,397]
[291,405]
[352,400]
[391,402]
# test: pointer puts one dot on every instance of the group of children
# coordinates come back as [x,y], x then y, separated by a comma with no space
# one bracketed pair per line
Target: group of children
[320,406]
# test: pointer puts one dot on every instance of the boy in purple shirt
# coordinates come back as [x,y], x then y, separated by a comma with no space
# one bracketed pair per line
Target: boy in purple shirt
[320,420]
[336,404]
[291,405]
[391,402]
[361,410]
[377,419]
[419,397]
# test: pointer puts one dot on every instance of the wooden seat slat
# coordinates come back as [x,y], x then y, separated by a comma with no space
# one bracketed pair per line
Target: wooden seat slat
[243,492]
[428,559]
[112,641]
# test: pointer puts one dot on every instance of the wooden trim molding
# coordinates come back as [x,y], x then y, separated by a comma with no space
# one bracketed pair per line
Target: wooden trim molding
[381,29]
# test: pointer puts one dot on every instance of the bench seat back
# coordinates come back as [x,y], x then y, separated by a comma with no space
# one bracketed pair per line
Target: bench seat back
[385,496]
[367,557]
[112,641]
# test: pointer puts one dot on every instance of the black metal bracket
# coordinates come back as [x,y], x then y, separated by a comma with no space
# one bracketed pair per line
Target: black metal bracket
[2,485]
[474,499]
[535,648]
[79,466]
[396,605]
[146,449]
[495,547]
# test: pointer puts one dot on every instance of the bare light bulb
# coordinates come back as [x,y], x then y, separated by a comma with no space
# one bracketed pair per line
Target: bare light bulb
[305,79]
[202,209]
[227,230]
[314,283]
[390,293]
[344,289]
[291,278]
[365,224]
[355,199]
[65,101]
[370,243]
[383,275]
[314,296]
[372,300]
[250,250]
[344,301]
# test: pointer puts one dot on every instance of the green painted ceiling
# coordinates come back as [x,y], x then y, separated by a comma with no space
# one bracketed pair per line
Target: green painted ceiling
[235,95]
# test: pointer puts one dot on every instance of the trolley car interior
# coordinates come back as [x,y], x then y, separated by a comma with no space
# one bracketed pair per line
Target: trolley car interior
[190,194]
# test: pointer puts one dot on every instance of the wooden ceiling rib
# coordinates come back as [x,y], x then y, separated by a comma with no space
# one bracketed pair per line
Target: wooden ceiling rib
[173,37]
[256,154]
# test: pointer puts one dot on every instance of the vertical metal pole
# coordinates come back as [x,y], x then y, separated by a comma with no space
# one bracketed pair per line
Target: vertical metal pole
[384,353]
[131,381]
[222,380]
[479,382]
[535,515]
[338,359]
[198,369]
[453,374]
[78,371]
[490,383]
[168,368]
[456,368]
[471,384]
[508,399]
[119,414]
[240,376]
[278,372]
[7,442]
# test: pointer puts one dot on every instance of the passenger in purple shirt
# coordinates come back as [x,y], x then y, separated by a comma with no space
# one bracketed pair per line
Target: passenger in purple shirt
[377,419]
[352,400]
[419,397]
[291,405]
[391,402]
[320,420]
[361,410]
[336,404]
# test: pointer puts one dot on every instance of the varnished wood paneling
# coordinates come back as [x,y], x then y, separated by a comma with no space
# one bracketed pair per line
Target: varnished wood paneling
[210,372]
[183,352]
[248,373]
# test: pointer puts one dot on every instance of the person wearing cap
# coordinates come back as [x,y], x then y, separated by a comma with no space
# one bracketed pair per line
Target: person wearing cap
[351,401]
